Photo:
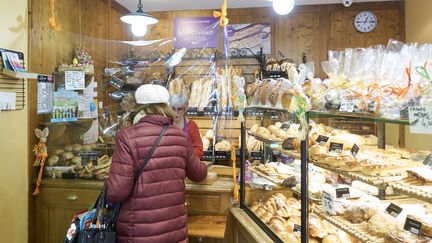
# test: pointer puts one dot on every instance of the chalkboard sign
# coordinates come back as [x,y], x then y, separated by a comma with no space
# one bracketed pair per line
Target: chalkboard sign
[336,147]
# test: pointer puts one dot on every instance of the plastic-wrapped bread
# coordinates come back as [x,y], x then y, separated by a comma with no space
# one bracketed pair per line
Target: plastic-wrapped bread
[195,93]
[205,93]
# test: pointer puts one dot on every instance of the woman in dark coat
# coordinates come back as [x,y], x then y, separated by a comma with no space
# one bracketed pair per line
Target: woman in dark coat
[153,208]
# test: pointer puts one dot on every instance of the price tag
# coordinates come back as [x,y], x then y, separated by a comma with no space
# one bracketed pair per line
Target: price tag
[347,106]
[257,156]
[285,126]
[336,147]
[274,115]
[288,144]
[322,139]
[192,111]
[207,155]
[428,160]
[394,210]
[227,111]
[221,155]
[208,111]
[297,229]
[343,192]
[355,149]
[420,119]
[328,203]
[412,226]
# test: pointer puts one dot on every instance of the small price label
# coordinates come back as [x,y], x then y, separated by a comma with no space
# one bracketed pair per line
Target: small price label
[221,155]
[355,149]
[288,144]
[336,147]
[428,160]
[327,202]
[412,226]
[285,126]
[192,111]
[208,111]
[297,229]
[347,106]
[322,139]
[394,210]
[274,115]
[257,155]
[343,192]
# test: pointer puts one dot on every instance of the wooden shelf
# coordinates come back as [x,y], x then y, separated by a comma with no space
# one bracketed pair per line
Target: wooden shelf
[378,181]
[413,188]
[207,226]
[359,231]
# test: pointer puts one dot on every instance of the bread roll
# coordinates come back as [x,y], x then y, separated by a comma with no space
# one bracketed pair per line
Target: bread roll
[381,223]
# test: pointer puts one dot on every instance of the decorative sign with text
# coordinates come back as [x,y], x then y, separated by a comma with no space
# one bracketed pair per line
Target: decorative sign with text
[420,119]
[202,32]
[74,80]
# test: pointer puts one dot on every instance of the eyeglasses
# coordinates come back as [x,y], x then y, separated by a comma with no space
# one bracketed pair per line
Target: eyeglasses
[178,109]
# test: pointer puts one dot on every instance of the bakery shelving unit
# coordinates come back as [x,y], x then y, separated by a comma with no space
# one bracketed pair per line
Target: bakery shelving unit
[400,183]
[268,115]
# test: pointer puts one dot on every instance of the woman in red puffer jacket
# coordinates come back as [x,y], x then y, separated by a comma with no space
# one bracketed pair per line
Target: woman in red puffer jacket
[153,208]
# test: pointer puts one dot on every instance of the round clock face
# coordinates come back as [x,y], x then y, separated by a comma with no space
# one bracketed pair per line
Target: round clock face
[365,21]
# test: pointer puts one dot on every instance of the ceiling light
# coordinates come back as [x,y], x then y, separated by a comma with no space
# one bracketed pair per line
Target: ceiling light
[139,17]
[139,30]
[283,7]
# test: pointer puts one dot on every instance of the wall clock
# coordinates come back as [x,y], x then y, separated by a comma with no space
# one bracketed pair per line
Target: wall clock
[365,21]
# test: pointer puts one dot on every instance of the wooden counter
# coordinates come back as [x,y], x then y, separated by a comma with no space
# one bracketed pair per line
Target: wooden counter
[61,198]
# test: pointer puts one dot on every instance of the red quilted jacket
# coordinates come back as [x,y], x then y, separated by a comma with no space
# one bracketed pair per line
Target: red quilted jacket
[153,209]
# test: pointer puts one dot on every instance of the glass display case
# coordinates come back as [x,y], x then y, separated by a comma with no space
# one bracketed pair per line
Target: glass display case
[352,187]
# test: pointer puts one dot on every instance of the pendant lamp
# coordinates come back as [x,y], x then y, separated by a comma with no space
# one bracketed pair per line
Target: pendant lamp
[139,17]
[283,7]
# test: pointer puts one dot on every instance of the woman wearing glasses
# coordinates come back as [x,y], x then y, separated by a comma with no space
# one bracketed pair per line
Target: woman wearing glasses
[179,103]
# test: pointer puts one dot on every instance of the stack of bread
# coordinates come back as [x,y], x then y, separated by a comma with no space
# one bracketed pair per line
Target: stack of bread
[178,86]
[200,93]
[274,132]
[272,93]
[282,214]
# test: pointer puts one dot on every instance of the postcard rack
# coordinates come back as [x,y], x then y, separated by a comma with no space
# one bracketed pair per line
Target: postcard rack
[12,86]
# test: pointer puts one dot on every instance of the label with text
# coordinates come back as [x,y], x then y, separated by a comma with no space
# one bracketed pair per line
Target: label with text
[297,229]
[347,106]
[420,119]
[355,149]
[412,226]
[343,192]
[336,147]
[394,210]
[327,202]
[322,139]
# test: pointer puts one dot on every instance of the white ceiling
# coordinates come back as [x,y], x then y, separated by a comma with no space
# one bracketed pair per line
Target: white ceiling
[165,5]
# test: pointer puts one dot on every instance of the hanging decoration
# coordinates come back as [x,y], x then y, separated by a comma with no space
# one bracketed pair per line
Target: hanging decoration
[222,14]
[51,21]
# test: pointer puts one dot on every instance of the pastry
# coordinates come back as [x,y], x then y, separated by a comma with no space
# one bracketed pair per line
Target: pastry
[68,148]
[403,236]
[77,147]
[206,144]
[260,211]
[58,152]
[209,135]
[381,223]
[223,145]
[277,224]
[358,213]
[332,238]
[423,174]
[316,227]
[76,160]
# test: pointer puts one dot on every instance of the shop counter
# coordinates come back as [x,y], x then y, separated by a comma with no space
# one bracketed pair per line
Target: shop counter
[59,199]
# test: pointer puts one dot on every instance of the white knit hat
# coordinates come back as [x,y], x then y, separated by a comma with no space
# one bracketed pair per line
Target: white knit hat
[152,94]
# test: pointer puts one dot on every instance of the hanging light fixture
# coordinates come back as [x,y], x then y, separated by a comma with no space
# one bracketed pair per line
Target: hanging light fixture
[139,30]
[283,7]
[139,17]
